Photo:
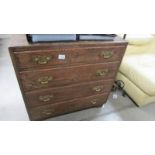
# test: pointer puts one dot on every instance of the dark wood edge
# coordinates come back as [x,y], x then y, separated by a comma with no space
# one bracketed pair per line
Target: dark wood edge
[66,49]
[69,45]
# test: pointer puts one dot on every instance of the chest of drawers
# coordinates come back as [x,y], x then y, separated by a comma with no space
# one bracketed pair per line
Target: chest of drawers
[58,78]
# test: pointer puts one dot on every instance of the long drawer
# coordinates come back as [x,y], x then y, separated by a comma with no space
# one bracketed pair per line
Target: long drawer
[54,58]
[51,110]
[54,95]
[44,78]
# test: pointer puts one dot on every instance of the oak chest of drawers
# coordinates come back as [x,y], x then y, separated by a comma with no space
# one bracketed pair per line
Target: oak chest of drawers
[58,78]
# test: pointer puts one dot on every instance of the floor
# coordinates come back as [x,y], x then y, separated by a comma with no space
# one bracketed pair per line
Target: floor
[12,108]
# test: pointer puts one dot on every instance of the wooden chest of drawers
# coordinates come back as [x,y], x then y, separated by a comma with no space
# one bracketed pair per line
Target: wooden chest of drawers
[58,78]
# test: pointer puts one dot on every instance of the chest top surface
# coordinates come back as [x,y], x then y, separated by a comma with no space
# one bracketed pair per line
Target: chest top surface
[19,42]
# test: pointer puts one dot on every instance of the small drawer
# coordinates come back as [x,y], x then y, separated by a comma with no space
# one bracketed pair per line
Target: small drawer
[97,55]
[48,111]
[59,94]
[41,58]
[55,58]
[33,80]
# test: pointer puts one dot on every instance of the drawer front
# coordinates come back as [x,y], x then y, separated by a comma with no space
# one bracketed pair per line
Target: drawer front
[54,95]
[44,58]
[44,112]
[32,80]
[97,55]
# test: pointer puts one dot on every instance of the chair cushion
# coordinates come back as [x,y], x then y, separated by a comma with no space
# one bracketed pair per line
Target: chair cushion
[140,69]
[145,48]
[139,39]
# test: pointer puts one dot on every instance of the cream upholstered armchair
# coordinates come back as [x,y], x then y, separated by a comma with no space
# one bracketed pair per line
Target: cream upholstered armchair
[137,70]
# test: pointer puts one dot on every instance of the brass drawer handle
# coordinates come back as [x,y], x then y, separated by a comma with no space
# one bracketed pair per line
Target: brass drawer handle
[42,60]
[102,72]
[94,101]
[107,54]
[47,112]
[98,88]
[45,98]
[45,80]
